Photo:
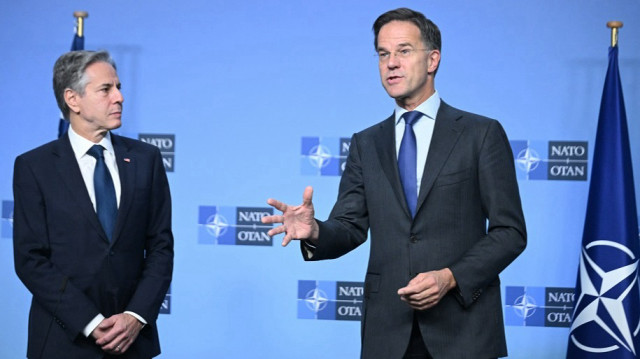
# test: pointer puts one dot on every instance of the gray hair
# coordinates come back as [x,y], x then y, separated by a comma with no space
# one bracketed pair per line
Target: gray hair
[69,73]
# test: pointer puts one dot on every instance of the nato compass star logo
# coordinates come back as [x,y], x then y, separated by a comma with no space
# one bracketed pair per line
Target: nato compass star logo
[217,225]
[524,306]
[316,300]
[323,156]
[531,159]
[319,156]
[604,296]
[528,160]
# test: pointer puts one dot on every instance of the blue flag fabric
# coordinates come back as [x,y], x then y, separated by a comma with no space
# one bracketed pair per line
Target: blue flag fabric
[77,44]
[606,317]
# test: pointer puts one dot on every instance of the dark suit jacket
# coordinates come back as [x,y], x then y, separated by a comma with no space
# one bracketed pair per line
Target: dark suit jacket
[64,258]
[469,178]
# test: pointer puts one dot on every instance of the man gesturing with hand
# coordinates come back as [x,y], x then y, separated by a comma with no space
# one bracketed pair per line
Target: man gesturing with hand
[436,188]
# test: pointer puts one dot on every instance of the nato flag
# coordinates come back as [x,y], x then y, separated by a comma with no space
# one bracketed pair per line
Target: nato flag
[77,44]
[606,316]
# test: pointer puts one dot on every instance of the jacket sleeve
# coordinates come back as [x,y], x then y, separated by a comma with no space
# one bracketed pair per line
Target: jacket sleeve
[348,222]
[51,289]
[158,263]
[506,234]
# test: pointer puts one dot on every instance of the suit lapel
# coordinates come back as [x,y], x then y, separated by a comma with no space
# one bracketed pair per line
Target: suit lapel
[386,148]
[68,169]
[125,160]
[446,132]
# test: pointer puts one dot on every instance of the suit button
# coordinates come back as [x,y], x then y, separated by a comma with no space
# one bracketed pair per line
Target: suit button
[111,253]
[413,238]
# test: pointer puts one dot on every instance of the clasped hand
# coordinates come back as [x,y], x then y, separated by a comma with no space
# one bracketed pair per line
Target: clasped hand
[116,333]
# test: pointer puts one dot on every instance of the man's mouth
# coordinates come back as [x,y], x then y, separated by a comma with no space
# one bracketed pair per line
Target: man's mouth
[391,80]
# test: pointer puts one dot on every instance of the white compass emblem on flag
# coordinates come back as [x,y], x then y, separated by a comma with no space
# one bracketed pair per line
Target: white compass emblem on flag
[601,300]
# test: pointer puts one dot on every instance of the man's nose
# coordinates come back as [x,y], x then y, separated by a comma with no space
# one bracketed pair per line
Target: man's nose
[394,60]
[117,95]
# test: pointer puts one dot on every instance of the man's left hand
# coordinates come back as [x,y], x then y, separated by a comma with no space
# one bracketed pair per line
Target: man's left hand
[121,330]
[426,290]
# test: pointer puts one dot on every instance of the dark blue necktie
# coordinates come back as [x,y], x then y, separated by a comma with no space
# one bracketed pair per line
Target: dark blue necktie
[106,204]
[407,161]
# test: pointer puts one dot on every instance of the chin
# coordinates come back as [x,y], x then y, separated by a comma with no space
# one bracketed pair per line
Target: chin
[115,125]
[398,96]
[395,92]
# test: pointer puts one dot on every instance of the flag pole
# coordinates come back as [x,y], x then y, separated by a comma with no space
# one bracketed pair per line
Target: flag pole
[614,26]
[76,44]
[608,267]
[80,16]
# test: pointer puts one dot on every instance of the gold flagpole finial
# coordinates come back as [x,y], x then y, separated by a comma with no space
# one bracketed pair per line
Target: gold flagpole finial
[614,26]
[80,15]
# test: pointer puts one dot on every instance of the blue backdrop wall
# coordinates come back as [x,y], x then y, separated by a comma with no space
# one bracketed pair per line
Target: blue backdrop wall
[246,88]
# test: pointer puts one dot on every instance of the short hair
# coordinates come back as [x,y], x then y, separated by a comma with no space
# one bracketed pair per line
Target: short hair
[69,73]
[429,32]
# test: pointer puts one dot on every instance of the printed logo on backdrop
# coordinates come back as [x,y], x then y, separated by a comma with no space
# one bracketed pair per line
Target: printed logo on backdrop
[7,219]
[324,156]
[234,225]
[330,300]
[539,306]
[165,307]
[167,145]
[551,160]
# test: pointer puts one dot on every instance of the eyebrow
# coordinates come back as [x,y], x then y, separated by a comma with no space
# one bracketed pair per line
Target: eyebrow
[403,44]
[109,85]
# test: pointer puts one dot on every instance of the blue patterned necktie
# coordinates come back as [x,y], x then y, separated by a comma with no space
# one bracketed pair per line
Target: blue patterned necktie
[106,204]
[407,161]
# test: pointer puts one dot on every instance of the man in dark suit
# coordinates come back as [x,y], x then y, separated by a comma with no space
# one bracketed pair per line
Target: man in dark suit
[92,225]
[425,182]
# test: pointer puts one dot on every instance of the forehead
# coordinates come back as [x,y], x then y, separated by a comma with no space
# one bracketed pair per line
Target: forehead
[396,33]
[101,72]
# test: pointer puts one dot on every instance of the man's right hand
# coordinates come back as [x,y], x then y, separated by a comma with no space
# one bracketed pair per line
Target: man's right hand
[298,222]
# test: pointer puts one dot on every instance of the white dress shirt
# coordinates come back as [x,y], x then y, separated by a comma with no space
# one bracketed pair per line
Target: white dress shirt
[87,163]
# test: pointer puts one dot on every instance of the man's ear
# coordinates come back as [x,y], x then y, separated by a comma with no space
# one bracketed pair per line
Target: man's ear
[434,57]
[71,98]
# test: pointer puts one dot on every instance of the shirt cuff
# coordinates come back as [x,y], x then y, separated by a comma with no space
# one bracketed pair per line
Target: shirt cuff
[309,248]
[92,325]
[144,322]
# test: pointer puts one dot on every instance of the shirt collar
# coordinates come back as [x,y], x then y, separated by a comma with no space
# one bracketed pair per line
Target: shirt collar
[81,145]
[428,108]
